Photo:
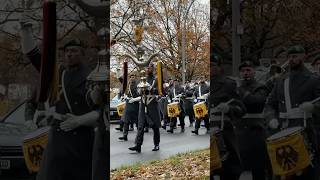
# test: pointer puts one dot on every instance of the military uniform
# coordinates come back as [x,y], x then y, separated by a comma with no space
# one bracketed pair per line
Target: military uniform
[200,90]
[251,131]
[68,155]
[290,91]
[149,114]
[132,109]
[174,91]
[222,90]
[188,103]
[163,103]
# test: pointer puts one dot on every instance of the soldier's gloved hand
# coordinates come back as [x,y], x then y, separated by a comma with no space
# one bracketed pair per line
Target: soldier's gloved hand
[132,100]
[223,107]
[71,123]
[307,107]
[274,123]
[30,125]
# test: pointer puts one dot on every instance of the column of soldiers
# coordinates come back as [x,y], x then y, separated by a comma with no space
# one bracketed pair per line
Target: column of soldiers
[148,108]
[252,113]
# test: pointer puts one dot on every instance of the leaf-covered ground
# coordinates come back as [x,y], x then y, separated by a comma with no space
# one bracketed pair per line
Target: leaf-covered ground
[192,165]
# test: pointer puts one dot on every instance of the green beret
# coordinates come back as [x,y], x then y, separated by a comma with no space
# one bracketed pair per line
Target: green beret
[246,64]
[297,49]
[73,42]
[315,59]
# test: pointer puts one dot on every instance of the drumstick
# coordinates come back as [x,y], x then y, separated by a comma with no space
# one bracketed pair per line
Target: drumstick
[315,100]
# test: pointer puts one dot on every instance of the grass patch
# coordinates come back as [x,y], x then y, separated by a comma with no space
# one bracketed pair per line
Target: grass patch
[190,165]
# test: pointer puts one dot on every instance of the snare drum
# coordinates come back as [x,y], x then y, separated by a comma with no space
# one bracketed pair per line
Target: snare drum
[200,110]
[33,148]
[288,151]
[218,149]
[173,109]
[120,108]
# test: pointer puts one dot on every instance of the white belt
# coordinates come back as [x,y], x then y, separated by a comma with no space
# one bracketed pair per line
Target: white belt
[253,116]
[295,113]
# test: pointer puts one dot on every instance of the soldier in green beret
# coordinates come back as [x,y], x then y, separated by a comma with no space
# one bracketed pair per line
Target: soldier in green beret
[290,104]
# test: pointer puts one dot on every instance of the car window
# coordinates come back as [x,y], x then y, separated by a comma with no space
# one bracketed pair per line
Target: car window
[17,115]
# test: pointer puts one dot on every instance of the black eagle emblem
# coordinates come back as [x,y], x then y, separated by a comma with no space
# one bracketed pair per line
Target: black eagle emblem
[286,157]
[35,154]
[199,111]
[172,110]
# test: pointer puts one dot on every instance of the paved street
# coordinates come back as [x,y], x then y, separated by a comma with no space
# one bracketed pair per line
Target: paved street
[170,144]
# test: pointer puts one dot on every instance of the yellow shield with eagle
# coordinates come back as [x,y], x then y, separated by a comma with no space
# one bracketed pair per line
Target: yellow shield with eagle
[33,148]
[215,160]
[120,108]
[288,155]
[173,109]
[200,110]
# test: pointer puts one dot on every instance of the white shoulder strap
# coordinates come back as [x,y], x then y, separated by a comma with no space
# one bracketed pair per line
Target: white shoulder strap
[65,93]
[287,94]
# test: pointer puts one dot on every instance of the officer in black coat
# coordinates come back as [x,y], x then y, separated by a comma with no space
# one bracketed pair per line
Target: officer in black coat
[202,93]
[176,94]
[132,106]
[225,105]
[68,154]
[251,129]
[149,112]
[291,101]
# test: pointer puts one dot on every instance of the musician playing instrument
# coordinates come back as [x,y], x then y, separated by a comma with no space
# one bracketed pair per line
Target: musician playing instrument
[201,93]
[132,106]
[176,93]
[149,112]
[250,130]
[71,135]
[290,102]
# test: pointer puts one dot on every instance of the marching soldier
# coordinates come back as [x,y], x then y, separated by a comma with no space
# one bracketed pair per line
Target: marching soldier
[132,106]
[275,70]
[291,101]
[201,93]
[163,103]
[225,109]
[251,129]
[71,135]
[149,112]
[176,92]
[188,103]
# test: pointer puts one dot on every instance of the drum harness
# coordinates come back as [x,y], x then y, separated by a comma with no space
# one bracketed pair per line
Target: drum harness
[293,113]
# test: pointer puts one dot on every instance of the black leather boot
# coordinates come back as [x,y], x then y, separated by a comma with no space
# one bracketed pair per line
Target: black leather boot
[125,138]
[156,148]
[135,148]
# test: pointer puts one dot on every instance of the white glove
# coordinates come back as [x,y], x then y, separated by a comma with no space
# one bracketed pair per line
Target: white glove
[118,73]
[223,107]
[31,125]
[274,123]
[27,41]
[132,100]
[39,117]
[74,121]
[206,95]
[307,107]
